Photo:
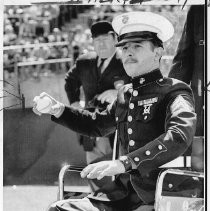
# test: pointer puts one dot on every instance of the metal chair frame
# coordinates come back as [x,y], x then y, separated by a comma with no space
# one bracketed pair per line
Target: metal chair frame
[159,185]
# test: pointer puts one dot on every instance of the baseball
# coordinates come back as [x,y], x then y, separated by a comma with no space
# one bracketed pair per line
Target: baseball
[44,104]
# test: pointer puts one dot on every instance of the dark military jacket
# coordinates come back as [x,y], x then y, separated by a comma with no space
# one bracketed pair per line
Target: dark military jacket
[155,120]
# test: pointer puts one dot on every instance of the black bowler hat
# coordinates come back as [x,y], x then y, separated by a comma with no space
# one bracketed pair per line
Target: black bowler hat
[100,28]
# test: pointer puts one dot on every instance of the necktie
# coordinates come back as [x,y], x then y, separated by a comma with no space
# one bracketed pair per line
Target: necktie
[100,66]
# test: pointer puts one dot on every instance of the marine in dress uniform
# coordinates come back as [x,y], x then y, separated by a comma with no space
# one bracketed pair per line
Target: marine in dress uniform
[154,118]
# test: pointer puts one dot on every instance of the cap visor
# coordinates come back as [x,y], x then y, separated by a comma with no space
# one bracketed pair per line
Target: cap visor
[124,41]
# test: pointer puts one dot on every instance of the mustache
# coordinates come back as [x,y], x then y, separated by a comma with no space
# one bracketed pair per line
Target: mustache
[128,60]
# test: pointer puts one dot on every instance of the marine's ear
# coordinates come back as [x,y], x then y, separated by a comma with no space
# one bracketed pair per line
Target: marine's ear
[158,53]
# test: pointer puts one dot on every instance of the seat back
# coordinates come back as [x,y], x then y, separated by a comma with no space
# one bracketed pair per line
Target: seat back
[179,190]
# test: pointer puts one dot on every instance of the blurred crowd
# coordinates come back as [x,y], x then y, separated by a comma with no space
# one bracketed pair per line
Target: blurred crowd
[36,25]
[70,25]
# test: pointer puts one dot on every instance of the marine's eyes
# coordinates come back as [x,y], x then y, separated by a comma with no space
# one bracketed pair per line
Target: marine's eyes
[137,46]
[124,48]
[134,46]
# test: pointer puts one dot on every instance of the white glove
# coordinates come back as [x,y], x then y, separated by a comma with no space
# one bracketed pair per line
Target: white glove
[45,104]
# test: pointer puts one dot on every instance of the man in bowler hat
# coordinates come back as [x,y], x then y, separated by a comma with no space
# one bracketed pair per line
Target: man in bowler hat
[99,74]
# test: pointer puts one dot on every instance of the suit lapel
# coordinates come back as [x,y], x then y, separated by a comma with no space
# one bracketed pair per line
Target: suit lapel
[109,67]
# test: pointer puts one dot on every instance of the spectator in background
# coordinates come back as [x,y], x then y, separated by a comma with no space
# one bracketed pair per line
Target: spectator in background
[57,34]
[8,63]
[40,53]
[9,36]
[79,37]
[81,41]
[188,66]
[65,53]
[100,74]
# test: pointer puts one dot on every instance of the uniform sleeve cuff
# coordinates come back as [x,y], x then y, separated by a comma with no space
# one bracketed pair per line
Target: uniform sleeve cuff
[125,160]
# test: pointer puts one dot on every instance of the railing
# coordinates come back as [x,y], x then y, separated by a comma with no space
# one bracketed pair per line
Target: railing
[49,61]
[16,47]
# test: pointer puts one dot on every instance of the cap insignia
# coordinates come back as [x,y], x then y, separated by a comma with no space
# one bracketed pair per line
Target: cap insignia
[141,80]
[125,19]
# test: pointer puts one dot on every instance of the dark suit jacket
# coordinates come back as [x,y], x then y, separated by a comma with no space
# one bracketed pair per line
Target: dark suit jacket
[85,73]
[188,63]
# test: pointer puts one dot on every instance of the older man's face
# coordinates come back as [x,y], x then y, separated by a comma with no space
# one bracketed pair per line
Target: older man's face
[138,58]
[104,45]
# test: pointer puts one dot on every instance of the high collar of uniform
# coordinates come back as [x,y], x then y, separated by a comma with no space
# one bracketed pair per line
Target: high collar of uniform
[146,78]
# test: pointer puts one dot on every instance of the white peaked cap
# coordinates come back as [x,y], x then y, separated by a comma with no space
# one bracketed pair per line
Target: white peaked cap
[133,22]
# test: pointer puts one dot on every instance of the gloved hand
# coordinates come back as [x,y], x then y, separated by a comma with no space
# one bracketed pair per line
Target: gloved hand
[44,103]
[127,88]
[108,96]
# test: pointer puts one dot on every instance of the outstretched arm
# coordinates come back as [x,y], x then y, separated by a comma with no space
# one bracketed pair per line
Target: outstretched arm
[82,121]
